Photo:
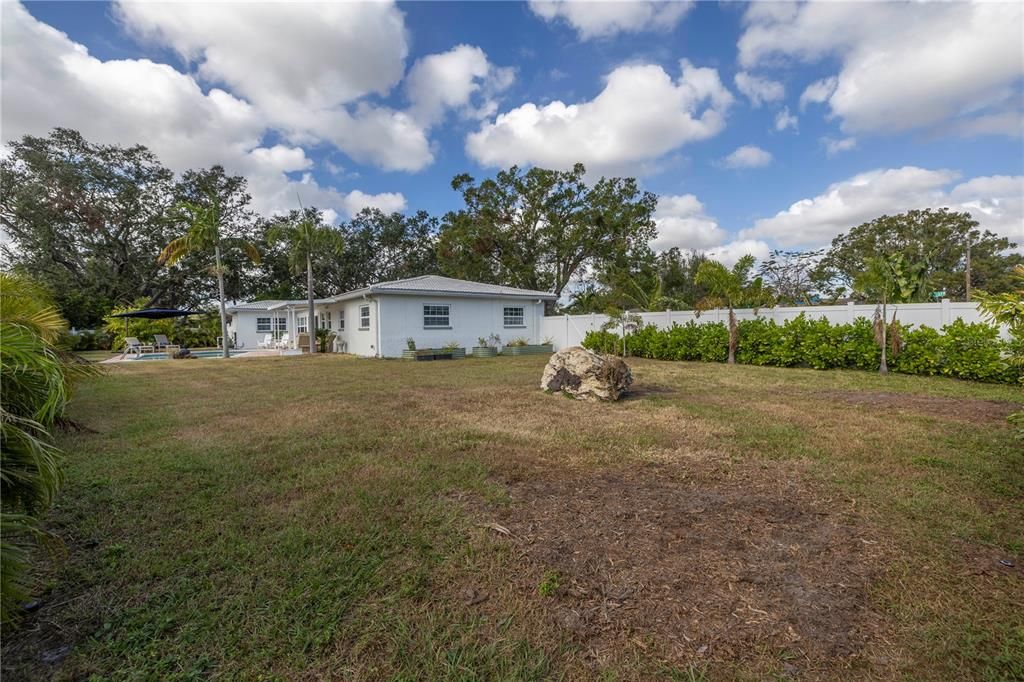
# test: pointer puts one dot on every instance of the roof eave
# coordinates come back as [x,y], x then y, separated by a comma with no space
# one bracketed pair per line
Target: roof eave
[466,294]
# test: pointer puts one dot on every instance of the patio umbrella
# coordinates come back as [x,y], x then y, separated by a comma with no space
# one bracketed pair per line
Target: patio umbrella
[153,314]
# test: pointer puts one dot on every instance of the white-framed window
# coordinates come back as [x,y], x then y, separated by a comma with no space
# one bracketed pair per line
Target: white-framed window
[263,325]
[436,317]
[515,316]
[300,324]
[341,320]
[280,324]
[364,317]
[323,320]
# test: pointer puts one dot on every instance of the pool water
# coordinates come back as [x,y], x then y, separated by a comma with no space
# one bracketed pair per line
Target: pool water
[195,354]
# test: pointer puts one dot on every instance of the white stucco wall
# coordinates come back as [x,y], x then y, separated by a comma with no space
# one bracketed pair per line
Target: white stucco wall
[357,341]
[470,318]
[242,328]
[402,317]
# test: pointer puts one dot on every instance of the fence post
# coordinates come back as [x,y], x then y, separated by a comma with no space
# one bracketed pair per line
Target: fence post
[565,344]
[851,314]
[947,313]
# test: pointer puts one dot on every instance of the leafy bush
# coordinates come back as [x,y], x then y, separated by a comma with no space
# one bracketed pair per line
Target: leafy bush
[195,331]
[973,351]
[860,351]
[518,342]
[758,340]
[713,343]
[922,352]
[89,340]
[964,351]
[36,375]
[601,341]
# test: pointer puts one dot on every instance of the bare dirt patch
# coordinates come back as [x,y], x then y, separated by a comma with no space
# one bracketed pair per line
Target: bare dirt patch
[725,566]
[960,409]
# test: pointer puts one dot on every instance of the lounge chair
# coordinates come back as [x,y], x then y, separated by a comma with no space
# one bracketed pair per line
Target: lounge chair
[133,345]
[267,342]
[161,342]
[284,341]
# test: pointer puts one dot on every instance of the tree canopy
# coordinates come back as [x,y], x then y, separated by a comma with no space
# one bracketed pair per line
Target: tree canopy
[937,238]
[540,229]
[88,221]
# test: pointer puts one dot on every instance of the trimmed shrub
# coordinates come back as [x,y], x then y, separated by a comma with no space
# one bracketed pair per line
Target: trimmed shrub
[922,352]
[960,350]
[973,351]
[602,342]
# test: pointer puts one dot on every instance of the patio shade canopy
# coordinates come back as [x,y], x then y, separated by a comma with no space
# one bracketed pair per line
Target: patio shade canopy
[156,313]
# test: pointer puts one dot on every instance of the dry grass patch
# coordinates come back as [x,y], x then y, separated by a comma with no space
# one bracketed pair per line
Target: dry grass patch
[318,517]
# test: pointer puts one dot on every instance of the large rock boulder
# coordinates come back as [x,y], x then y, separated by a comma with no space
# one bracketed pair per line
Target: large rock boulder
[586,375]
[182,354]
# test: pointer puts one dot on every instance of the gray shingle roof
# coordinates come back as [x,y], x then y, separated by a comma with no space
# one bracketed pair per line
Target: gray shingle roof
[448,286]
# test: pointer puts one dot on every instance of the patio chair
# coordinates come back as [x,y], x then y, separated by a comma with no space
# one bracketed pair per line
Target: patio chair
[267,342]
[284,341]
[161,342]
[133,345]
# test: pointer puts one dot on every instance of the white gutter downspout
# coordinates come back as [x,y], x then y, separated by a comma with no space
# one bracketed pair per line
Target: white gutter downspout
[538,318]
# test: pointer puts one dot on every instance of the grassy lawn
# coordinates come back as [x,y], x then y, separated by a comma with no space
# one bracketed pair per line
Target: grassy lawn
[315,517]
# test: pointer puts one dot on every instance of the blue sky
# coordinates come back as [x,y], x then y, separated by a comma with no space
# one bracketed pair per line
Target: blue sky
[887,107]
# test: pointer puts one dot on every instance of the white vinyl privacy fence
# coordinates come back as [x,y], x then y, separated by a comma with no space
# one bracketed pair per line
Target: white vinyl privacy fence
[569,330]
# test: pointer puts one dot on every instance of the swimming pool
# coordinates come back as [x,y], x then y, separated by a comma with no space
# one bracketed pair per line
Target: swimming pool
[195,354]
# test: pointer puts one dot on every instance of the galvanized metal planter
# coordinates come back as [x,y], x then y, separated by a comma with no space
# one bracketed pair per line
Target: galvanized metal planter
[538,349]
[434,354]
[484,352]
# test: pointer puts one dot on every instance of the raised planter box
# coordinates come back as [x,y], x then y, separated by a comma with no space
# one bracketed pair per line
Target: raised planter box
[484,352]
[543,348]
[434,354]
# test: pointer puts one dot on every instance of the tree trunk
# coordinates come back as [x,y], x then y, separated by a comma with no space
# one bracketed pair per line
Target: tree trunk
[311,320]
[884,367]
[223,311]
[732,336]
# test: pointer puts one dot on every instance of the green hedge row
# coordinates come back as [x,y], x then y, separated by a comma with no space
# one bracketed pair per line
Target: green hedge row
[964,351]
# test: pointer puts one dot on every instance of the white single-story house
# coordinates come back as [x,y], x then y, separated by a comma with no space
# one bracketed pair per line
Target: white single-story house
[376,321]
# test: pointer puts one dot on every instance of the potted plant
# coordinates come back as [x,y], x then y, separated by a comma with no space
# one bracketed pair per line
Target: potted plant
[410,349]
[324,340]
[488,347]
[457,351]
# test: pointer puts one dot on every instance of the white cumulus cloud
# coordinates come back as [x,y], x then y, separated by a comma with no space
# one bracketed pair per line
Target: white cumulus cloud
[605,19]
[50,81]
[747,156]
[683,223]
[994,201]
[639,116]
[450,80]
[818,92]
[936,66]
[785,120]
[835,146]
[759,90]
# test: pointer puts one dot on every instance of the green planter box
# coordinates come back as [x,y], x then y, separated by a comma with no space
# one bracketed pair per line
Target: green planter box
[539,349]
[484,352]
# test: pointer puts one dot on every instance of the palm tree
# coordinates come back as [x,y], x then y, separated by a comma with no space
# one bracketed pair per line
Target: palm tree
[205,227]
[891,279]
[732,289]
[304,235]
[36,376]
